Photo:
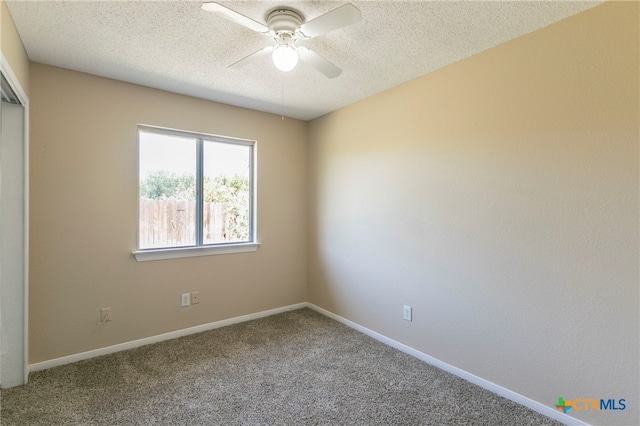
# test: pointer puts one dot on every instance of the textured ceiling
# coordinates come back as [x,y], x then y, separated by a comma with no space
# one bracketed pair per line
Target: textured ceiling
[176,46]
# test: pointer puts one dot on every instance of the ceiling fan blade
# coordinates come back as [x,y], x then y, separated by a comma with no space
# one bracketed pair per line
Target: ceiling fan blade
[318,62]
[255,55]
[337,18]
[234,16]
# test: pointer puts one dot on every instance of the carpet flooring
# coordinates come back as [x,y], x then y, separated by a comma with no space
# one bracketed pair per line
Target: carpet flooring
[295,368]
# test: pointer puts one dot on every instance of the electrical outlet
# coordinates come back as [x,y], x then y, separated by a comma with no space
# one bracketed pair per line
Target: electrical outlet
[185,299]
[406,312]
[195,297]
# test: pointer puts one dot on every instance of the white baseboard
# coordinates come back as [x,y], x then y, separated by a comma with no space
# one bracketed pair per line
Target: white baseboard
[504,392]
[159,338]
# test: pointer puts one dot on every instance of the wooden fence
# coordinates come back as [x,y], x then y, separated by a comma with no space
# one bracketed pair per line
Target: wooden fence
[171,223]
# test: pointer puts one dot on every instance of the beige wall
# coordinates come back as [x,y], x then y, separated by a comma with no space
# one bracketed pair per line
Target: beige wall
[499,198]
[84,212]
[12,48]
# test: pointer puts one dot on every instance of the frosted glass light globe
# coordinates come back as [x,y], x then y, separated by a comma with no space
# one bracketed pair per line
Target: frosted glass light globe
[285,57]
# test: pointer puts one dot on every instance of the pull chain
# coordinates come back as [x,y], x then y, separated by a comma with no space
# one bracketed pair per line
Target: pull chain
[282,98]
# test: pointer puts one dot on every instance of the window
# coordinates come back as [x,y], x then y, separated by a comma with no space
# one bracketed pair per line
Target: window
[195,194]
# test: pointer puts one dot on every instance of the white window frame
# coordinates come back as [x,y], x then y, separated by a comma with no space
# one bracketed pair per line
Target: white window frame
[199,249]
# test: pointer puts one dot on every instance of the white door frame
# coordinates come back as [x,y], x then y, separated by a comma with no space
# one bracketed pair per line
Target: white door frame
[11,78]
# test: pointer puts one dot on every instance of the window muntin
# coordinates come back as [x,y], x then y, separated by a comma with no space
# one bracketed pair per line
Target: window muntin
[194,190]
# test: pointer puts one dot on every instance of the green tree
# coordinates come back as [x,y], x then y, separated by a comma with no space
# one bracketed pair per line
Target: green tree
[162,185]
[233,193]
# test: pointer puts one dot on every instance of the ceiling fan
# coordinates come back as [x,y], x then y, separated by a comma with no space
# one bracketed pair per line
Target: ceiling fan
[286,27]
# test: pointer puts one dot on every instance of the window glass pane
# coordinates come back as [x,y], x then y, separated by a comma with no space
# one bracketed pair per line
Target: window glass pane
[227,203]
[167,173]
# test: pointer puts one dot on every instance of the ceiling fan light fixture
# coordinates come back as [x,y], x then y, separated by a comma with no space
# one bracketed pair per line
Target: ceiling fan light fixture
[287,26]
[285,57]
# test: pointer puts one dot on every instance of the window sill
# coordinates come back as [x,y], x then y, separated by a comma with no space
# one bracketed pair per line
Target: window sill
[176,253]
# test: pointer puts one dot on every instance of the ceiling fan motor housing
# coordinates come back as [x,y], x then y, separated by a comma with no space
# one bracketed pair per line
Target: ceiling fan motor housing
[284,21]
